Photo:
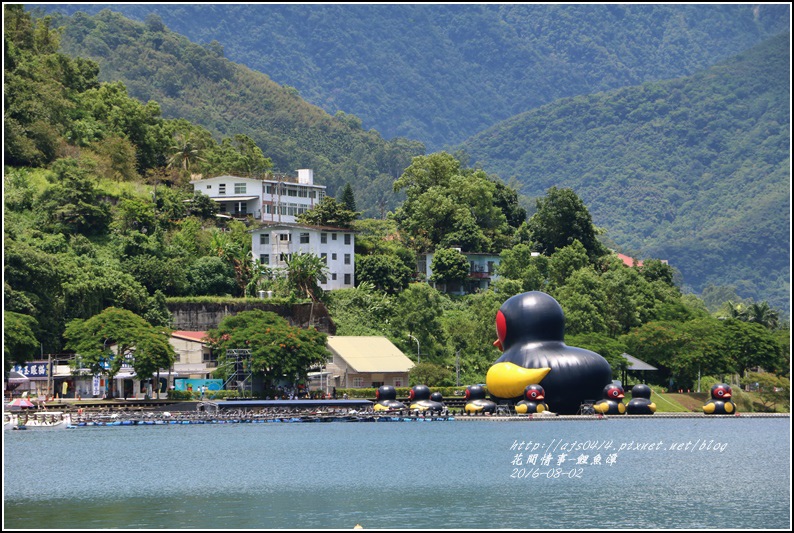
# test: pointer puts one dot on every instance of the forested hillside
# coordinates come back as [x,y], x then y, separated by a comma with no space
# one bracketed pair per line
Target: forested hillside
[441,73]
[695,170]
[681,148]
[198,84]
[101,226]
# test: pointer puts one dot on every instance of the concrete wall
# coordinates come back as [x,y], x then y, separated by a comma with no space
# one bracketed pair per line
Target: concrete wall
[203,317]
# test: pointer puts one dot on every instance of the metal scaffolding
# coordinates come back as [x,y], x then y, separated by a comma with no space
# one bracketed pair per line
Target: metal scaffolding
[241,376]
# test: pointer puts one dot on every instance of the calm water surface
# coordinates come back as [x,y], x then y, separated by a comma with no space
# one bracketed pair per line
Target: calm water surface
[734,473]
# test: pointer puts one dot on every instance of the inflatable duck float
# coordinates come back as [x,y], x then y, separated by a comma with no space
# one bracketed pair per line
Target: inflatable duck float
[386,399]
[533,401]
[641,403]
[720,402]
[476,403]
[421,400]
[530,329]
[612,402]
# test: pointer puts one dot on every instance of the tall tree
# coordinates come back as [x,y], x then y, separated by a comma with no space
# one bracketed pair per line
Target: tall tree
[277,350]
[562,218]
[115,338]
[449,206]
[348,199]
[329,212]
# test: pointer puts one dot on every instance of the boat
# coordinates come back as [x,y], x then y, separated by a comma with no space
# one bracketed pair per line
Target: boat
[39,419]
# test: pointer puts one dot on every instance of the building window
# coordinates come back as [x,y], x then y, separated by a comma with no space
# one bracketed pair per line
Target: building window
[323,238]
[264,259]
[239,188]
[333,236]
[243,208]
[333,257]
[284,237]
[209,186]
[358,382]
[347,238]
[322,279]
[304,238]
[264,238]
[312,194]
[347,279]
[221,207]
[333,276]
[398,382]
[324,257]
[222,188]
[376,384]
[292,192]
[347,259]
[285,258]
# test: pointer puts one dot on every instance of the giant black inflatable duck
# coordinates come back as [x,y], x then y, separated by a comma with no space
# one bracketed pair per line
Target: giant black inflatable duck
[641,403]
[720,402]
[531,328]
[476,403]
[421,401]
[533,401]
[612,402]
[386,397]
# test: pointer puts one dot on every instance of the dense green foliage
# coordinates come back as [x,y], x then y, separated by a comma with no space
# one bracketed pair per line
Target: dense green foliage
[658,165]
[276,348]
[694,170]
[115,338]
[238,105]
[441,73]
[100,231]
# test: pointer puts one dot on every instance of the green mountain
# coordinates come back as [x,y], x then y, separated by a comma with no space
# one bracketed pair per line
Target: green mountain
[694,170]
[442,73]
[198,84]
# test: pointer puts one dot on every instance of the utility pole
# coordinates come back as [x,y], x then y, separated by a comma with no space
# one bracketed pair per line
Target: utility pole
[418,357]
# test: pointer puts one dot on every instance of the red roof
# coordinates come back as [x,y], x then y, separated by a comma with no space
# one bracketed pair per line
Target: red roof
[629,261]
[197,336]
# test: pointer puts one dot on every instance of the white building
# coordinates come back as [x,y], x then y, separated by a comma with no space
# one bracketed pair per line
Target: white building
[274,200]
[275,244]
[482,272]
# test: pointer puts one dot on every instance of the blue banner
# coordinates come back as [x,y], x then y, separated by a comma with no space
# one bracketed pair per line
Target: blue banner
[33,370]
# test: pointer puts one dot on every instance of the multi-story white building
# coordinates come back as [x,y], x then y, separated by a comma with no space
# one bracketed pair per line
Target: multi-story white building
[275,244]
[273,200]
[482,272]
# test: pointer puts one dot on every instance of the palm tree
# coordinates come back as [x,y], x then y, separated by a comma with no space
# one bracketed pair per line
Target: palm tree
[303,272]
[183,152]
[763,314]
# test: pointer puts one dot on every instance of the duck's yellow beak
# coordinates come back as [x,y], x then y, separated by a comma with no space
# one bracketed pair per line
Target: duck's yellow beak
[508,380]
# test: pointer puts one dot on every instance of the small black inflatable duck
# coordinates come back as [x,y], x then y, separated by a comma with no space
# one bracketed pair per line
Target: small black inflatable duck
[641,403]
[386,397]
[476,403]
[720,402]
[612,403]
[533,400]
[421,400]
[531,328]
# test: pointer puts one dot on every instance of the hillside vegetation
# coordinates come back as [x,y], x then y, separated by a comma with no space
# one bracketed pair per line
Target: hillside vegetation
[198,84]
[695,170]
[441,73]
[101,226]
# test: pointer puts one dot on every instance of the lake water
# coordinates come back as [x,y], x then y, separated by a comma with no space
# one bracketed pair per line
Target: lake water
[721,473]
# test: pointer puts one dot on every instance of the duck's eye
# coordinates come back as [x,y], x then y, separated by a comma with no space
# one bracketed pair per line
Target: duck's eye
[501,326]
